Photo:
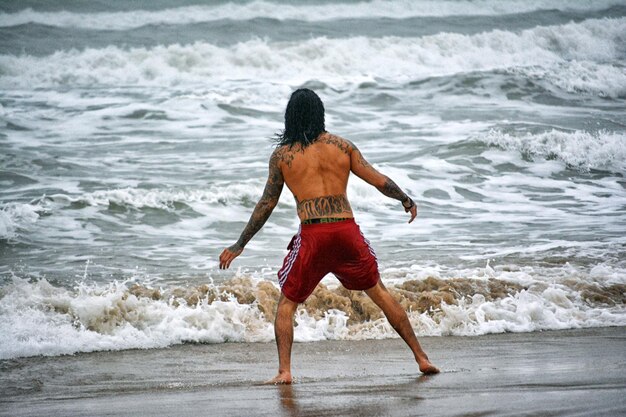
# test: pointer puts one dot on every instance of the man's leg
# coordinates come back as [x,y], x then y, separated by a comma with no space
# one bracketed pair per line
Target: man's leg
[283,329]
[400,322]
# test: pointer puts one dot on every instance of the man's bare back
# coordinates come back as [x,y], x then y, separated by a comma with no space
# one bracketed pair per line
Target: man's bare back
[317,176]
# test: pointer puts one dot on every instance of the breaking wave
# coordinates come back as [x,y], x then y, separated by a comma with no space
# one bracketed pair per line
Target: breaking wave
[125,20]
[244,193]
[38,318]
[578,149]
[14,217]
[604,80]
[583,48]
[164,199]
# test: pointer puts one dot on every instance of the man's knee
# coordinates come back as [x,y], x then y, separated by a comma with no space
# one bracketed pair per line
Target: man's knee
[285,304]
[376,289]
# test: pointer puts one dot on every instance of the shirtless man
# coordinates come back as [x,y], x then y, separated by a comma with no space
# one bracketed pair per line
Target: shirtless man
[316,165]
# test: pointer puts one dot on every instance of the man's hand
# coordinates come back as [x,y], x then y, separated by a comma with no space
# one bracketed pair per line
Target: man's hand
[413,211]
[410,207]
[229,254]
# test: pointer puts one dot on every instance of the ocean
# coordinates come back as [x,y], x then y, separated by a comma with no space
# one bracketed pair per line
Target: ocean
[135,136]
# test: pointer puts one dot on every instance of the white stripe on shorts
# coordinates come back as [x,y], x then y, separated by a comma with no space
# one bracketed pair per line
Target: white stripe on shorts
[282,275]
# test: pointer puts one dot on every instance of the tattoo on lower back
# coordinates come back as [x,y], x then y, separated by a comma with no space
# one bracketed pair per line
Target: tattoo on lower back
[323,206]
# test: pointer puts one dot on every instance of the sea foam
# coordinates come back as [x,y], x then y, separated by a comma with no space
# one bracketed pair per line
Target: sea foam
[38,318]
[165,199]
[578,149]
[234,194]
[16,216]
[604,80]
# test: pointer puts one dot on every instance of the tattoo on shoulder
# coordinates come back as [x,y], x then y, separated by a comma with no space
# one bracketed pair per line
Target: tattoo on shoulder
[344,145]
[284,155]
[323,206]
[275,175]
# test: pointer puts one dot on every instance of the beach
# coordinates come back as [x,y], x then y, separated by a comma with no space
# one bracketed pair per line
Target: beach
[134,145]
[556,373]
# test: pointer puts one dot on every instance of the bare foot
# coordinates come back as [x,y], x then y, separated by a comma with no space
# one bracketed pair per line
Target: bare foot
[283,378]
[428,368]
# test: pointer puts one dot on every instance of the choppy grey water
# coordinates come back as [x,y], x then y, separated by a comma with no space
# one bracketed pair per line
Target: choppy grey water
[134,141]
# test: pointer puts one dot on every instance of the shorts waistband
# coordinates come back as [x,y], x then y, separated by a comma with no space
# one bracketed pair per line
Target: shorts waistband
[327,220]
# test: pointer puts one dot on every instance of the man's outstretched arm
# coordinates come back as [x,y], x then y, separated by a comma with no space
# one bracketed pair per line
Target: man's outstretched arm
[262,211]
[383,183]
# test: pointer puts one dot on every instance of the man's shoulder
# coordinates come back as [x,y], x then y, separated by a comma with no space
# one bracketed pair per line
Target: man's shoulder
[282,154]
[281,150]
[343,144]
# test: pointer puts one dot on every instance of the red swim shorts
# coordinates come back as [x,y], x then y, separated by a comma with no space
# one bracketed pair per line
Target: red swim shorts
[321,248]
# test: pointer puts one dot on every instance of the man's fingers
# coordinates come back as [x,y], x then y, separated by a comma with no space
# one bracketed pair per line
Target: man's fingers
[227,257]
[224,262]
[231,258]
[413,213]
[223,259]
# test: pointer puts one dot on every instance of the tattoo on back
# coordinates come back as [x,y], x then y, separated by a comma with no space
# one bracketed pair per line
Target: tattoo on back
[323,206]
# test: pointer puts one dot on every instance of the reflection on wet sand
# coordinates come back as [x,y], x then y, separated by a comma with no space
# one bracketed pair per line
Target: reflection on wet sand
[288,402]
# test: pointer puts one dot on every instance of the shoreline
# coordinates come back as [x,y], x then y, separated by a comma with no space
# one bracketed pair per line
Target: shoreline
[562,372]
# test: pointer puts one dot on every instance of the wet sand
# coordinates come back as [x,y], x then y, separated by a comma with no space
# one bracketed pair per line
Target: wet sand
[573,372]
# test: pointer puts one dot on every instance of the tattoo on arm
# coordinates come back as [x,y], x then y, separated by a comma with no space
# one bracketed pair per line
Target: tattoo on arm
[362,161]
[323,206]
[266,204]
[391,189]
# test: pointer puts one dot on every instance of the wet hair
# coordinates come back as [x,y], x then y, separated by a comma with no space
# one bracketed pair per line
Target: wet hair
[304,119]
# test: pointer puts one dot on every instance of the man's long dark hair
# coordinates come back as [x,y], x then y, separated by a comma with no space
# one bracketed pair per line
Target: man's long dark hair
[304,119]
